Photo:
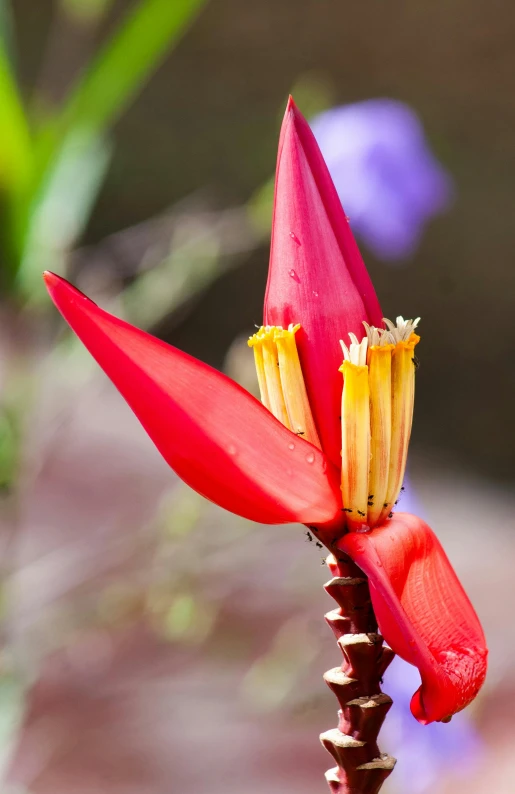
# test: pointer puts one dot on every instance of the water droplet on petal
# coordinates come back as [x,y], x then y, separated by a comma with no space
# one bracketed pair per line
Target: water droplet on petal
[292,274]
[295,238]
[291,445]
[310,457]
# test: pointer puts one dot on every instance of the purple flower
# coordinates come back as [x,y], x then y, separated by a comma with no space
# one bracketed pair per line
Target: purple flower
[426,753]
[386,176]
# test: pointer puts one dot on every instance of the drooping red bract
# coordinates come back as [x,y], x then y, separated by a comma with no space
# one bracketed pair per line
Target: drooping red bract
[423,612]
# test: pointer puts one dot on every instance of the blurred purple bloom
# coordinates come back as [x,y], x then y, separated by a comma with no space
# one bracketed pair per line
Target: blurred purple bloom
[386,176]
[426,752]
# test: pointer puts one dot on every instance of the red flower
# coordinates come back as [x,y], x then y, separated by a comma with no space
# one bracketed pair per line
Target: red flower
[280,462]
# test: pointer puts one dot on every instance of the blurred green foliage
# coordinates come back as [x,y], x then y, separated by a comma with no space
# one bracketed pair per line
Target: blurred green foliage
[9,448]
[52,165]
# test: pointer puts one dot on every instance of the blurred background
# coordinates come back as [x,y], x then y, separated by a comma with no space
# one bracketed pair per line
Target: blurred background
[137,148]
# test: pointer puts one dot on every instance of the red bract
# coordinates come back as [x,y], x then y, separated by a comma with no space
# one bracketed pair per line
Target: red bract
[423,612]
[317,276]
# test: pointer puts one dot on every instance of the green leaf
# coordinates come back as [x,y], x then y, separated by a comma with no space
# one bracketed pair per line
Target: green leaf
[106,88]
[60,213]
[15,143]
[126,61]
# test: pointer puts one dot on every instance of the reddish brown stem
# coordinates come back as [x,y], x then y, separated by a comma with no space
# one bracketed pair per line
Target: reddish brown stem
[361,768]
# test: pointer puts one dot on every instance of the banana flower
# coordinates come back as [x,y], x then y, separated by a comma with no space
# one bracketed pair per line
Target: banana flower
[320,449]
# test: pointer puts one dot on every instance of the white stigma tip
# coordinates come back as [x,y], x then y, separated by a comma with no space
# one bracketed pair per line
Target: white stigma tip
[356,352]
[378,337]
[403,329]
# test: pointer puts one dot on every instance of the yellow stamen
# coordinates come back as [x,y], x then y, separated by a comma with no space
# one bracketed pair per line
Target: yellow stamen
[355,433]
[293,386]
[403,394]
[273,377]
[256,343]
[380,377]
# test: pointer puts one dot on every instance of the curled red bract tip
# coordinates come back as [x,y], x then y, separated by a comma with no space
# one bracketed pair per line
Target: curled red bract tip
[423,612]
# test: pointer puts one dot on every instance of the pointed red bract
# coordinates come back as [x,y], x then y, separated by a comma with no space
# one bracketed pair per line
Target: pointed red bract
[216,436]
[317,277]
[423,612]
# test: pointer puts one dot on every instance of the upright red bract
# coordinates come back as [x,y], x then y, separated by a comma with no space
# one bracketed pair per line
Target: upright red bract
[317,276]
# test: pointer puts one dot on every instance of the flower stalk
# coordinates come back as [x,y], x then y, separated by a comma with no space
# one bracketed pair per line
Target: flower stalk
[360,767]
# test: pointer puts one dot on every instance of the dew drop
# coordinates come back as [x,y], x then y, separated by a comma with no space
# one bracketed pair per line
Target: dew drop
[232,450]
[291,445]
[292,274]
[295,238]
[310,457]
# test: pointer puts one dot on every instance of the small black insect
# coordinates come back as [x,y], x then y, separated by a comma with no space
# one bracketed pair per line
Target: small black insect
[402,489]
[370,496]
[390,515]
[323,561]
[299,433]
[385,504]
[319,545]
[360,513]
[416,362]
[370,504]
[347,509]
[309,536]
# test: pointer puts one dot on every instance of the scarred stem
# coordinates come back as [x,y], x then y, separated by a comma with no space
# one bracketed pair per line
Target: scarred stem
[361,768]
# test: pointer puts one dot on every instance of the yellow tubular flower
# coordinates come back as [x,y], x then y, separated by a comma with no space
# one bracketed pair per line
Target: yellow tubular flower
[377,409]
[355,433]
[403,394]
[271,390]
[256,343]
[379,360]
[293,386]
